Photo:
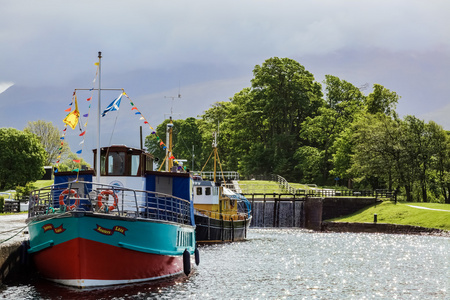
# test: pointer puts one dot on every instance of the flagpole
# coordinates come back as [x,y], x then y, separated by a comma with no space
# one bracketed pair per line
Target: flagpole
[98,115]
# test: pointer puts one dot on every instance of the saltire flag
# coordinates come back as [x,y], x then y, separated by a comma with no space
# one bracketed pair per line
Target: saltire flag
[113,105]
[72,118]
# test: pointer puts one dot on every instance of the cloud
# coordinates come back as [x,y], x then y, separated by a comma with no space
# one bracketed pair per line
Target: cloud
[5,85]
[439,116]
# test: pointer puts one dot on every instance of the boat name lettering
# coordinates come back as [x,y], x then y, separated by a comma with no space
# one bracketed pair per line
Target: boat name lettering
[56,230]
[107,231]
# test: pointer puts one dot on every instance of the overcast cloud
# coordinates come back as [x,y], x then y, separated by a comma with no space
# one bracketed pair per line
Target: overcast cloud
[208,49]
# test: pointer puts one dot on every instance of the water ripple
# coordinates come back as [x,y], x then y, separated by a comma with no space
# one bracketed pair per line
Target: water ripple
[300,264]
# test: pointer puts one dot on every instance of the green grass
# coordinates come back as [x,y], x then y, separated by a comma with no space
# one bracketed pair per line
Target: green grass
[401,213]
[266,187]
[42,183]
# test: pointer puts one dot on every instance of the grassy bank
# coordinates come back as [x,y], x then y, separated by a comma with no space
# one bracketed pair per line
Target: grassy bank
[403,214]
[265,187]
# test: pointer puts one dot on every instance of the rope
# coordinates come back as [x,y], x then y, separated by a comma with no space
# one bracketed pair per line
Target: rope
[21,230]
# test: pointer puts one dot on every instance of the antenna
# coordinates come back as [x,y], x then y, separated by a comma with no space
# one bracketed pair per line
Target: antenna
[173,98]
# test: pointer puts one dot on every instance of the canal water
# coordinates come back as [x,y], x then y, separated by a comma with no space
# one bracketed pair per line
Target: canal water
[290,264]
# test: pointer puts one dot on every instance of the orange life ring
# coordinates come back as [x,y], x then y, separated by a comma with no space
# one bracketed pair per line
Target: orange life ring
[75,195]
[107,192]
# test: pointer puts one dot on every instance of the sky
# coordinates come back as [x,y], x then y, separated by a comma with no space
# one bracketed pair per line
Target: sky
[206,51]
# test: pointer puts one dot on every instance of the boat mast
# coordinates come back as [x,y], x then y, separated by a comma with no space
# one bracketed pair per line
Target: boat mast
[169,131]
[215,154]
[98,115]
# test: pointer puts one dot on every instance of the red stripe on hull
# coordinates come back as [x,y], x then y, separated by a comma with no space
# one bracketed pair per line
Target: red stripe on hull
[85,259]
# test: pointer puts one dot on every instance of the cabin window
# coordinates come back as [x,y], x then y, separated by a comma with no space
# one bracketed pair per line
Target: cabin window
[134,164]
[199,191]
[148,164]
[116,163]
[102,165]
[207,191]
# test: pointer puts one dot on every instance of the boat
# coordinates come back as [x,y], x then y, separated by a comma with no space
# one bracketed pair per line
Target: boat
[120,223]
[221,214]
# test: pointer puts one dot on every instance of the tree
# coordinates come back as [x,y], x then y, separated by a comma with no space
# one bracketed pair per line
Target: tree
[381,100]
[441,163]
[379,157]
[343,102]
[185,133]
[49,137]
[270,113]
[22,158]
[68,163]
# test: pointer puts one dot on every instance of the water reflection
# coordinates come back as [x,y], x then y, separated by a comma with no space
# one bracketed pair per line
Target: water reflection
[293,264]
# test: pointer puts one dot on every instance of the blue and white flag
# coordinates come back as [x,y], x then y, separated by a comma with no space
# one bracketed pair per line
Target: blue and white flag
[113,105]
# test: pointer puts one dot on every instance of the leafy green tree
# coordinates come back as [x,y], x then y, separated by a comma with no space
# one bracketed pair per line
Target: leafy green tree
[22,158]
[68,163]
[441,163]
[49,137]
[185,134]
[423,146]
[343,102]
[309,159]
[342,154]
[270,113]
[379,155]
[382,100]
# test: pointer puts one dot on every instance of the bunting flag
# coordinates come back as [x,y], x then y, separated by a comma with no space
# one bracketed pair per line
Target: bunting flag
[72,118]
[85,115]
[76,161]
[79,151]
[69,109]
[89,99]
[113,105]
[81,134]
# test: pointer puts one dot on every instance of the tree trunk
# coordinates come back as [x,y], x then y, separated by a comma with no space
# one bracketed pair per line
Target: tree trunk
[424,192]
[408,193]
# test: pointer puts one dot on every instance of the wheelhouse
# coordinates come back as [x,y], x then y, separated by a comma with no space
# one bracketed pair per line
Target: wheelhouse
[120,160]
